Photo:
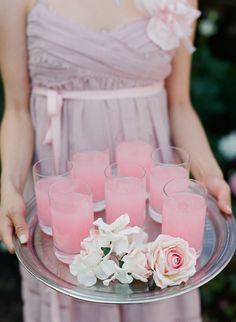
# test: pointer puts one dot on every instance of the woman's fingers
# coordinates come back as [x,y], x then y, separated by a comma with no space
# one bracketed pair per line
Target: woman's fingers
[20,227]
[6,233]
[221,191]
[224,199]
[12,220]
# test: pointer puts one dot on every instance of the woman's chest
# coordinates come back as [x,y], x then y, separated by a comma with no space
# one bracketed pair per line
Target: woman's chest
[95,15]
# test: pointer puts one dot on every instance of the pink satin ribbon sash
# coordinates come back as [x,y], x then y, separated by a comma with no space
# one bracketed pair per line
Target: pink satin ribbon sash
[55,101]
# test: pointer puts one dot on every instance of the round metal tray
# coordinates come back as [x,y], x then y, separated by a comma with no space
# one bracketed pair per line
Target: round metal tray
[38,258]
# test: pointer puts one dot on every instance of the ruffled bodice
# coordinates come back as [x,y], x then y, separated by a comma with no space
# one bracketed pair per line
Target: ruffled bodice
[64,54]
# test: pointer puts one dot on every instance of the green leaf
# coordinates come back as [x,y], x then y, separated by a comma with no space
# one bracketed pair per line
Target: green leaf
[106,250]
[121,263]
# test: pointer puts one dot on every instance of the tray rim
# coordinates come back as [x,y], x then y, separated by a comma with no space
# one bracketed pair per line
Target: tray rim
[112,298]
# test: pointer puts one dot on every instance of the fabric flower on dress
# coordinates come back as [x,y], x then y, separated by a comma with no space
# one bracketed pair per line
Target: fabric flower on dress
[171,260]
[170,23]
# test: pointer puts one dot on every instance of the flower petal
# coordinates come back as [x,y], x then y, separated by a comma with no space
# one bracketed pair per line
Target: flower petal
[87,280]
[170,22]
[108,267]
[162,35]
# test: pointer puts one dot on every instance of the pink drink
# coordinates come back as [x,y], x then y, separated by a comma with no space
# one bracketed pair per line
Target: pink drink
[184,216]
[125,195]
[42,201]
[134,152]
[89,168]
[72,217]
[160,175]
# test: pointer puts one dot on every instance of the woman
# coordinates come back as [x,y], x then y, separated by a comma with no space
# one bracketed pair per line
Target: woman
[129,65]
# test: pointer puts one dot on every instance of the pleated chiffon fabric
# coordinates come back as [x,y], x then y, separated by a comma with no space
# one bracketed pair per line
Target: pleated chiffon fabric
[66,56]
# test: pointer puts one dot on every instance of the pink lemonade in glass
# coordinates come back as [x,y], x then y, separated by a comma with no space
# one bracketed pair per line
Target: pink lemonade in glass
[184,216]
[89,168]
[42,201]
[72,218]
[160,175]
[130,152]
[46,174]
[125,195]
[168,163]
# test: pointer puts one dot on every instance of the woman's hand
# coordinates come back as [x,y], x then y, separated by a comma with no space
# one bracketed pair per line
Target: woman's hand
[12,213]
[17,136]
[220,189]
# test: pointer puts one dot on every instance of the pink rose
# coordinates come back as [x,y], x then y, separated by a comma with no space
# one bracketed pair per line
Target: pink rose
[171,260]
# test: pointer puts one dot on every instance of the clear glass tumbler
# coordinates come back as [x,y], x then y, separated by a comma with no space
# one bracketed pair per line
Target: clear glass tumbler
[167,163]
[184,212]
[125,194]
[45,174]
[88,167]
[72,216]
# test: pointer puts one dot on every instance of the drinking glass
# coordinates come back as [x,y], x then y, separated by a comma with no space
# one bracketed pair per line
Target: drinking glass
[184,212]
[125,194]
[167,163]
[88,167]
[137,151]
[72,216]
[45,174]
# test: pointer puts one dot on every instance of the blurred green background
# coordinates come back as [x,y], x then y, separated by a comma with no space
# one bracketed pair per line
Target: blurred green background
[214,97]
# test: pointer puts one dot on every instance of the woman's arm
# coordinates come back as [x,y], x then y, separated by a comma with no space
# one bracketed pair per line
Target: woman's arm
[16,128]
[188,133]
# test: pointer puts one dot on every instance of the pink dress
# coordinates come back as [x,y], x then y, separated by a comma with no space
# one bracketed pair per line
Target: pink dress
[65,56]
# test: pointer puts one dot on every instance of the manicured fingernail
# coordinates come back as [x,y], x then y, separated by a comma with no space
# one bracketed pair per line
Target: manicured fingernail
[23,239]
[228,209]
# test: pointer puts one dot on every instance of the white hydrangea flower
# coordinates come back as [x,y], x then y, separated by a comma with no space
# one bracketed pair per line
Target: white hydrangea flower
[118,252]
[90,243]
[118,236]
[84,266]
[135,263]
[90,267]
[111,252]
[115,227]
[136,236]
[121,275]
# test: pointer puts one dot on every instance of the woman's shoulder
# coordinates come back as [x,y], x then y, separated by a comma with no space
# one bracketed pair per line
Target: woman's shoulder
[15,8]
[31,4]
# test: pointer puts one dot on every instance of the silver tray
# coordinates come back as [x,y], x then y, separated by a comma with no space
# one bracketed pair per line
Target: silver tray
[38,258]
